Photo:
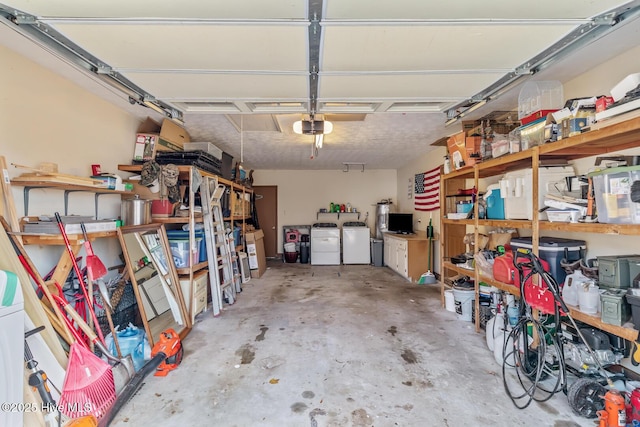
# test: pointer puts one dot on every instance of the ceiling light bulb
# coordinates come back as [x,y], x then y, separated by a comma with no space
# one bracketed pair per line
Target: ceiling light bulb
[328,127]
[297,127]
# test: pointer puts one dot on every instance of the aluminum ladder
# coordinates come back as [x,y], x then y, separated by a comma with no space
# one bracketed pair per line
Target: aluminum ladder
[217,242]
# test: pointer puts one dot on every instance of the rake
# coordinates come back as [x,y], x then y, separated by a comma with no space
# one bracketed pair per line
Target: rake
[88,386]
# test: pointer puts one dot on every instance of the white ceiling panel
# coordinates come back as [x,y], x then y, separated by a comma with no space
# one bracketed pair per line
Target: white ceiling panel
[185,87]
[209,9]
[458,47]
[224,47]
[434,87]
[466,9]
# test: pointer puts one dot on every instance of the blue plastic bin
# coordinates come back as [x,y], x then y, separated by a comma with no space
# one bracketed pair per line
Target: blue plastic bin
[181,235]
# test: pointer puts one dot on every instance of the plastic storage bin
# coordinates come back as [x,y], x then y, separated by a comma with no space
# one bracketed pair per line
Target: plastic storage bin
[553,250]
[532,134]
[614,201]
[540,95]
[180,252]
[184,235]
[204,146]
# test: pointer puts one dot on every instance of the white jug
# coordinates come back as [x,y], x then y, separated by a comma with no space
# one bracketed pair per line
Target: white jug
[573,283]
[589,298]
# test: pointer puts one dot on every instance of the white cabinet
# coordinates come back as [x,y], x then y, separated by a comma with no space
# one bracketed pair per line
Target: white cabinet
[198,300]
[406,254]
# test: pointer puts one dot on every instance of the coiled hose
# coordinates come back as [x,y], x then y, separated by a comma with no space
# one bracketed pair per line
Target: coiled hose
[526,355]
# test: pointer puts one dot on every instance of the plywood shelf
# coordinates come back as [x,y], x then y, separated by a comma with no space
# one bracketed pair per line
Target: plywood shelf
[460,270]
[615,229]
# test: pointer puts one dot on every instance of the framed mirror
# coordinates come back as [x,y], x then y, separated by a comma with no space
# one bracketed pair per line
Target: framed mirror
[154,279]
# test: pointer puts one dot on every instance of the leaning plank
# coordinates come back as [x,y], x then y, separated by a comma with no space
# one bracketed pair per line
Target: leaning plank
[9,261]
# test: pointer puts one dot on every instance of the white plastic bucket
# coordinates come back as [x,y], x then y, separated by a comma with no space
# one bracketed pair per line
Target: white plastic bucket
[464,303]
[290,247]
[449,301]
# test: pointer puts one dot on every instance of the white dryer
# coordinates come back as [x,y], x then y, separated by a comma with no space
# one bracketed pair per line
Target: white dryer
[325,244]
[355,243]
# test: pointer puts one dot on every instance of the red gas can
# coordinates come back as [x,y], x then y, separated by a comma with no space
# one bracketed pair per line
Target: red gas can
[503,268]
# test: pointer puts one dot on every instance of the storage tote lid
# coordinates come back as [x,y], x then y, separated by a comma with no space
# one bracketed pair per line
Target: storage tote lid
[550,244]
[608,171]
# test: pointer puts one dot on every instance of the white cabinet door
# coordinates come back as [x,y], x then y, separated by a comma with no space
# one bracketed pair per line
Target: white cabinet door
[402,257]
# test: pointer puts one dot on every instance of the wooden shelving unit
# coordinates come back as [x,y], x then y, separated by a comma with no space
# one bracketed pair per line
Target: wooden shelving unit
[610,139]
[237,215]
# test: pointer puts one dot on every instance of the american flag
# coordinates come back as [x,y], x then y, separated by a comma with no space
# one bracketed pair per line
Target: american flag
[428,190]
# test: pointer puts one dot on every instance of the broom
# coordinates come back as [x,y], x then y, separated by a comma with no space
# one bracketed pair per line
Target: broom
[88,386]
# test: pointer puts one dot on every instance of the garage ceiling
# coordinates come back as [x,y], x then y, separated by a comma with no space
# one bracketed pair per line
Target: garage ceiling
[405,66]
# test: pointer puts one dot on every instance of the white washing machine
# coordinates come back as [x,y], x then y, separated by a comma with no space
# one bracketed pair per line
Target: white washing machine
[355,243]
[325,244]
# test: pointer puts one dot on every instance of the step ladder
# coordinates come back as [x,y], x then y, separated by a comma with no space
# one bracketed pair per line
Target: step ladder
[235,263]
[221,268]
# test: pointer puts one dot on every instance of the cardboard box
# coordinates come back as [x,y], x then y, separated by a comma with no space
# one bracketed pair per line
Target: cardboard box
[255,251]
[152,137]
[572,127]
[458,150]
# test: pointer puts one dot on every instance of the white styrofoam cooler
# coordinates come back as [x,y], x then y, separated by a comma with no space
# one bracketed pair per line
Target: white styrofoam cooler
[515,189]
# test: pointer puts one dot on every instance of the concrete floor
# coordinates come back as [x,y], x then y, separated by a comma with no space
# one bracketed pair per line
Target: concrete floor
[336,346]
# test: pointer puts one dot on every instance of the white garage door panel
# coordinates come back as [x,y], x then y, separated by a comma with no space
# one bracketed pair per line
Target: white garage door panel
[500,9]
[449,87]
[218,9]
[221,86]
[464,47]
[166,47]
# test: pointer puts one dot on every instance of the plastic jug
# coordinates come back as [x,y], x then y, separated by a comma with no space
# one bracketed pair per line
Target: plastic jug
[493,328]
[572,285]
[589,298]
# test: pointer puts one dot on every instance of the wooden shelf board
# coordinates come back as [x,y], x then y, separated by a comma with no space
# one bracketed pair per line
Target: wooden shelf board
[56,239]
[609,139]
[451,266]
[580,227]
[199,266]
[62,186]
[514,290]
[595,321]
[505,163]
[175,220]
[458,221]
[510,223]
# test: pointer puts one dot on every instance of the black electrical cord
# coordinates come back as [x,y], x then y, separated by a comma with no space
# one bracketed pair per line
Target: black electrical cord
[532,372]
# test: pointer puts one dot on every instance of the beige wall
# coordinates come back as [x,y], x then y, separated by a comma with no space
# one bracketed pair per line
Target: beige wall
[301,194]
[45,118]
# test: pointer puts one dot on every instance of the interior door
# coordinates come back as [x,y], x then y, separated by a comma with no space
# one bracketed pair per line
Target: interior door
[267,207]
